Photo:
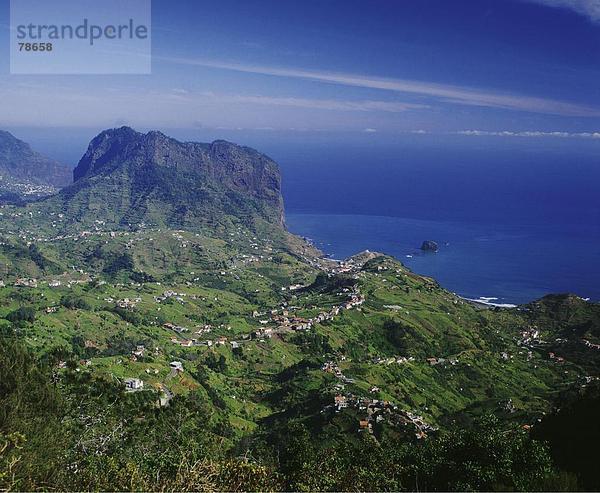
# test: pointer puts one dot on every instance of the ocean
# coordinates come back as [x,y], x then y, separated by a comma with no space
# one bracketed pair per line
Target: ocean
[513,224]
[503,264]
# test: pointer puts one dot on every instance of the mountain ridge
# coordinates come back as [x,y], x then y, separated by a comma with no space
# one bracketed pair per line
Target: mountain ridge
[25,172]
[127,176]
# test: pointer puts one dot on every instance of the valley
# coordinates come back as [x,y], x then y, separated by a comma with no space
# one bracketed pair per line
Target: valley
[215,320]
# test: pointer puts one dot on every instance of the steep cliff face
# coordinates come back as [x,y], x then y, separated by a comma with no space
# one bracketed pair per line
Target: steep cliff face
[130,177]
[20,165]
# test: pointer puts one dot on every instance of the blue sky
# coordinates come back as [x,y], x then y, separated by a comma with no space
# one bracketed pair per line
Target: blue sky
[508,69]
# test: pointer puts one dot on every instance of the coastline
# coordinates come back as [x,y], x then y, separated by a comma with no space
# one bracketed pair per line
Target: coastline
[518,264]
[487,301]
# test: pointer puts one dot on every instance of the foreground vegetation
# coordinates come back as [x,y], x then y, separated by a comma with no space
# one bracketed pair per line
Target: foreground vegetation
[234,357]
[79,432]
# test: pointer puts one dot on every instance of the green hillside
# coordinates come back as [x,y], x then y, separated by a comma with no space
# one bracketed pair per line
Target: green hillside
[232,355]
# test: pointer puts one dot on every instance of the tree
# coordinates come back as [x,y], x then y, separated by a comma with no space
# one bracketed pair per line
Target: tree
[22,314]
[573,434]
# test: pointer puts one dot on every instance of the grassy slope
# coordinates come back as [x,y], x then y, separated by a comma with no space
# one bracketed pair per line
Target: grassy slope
[227,274]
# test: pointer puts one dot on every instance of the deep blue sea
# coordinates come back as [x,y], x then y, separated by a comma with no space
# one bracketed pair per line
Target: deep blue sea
[513,224]
[511,263]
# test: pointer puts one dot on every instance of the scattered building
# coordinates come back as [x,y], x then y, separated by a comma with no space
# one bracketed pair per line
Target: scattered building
[133,384]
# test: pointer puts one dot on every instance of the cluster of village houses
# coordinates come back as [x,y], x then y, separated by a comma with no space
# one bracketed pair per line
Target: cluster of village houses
[25,282]
[128,304]
[378,411]
[170,294]
[136,384]
[332,367]
[393,359]
[284,321]
[530,337]
[27,189]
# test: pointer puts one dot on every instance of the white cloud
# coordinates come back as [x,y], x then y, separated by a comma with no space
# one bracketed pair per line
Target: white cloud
[534,133]
[587,8]
[26,103]
[370,130]
[318,104]
[445,93]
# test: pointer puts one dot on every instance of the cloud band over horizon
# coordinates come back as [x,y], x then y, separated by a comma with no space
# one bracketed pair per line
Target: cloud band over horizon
[444,93]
